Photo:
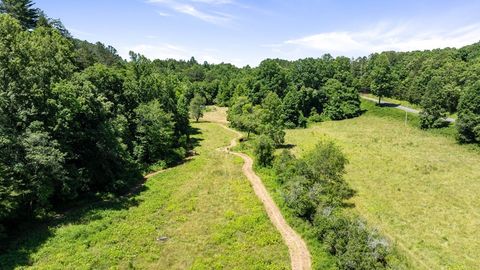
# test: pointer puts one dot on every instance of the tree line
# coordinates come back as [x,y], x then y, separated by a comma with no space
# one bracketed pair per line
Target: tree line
[75,118]
[441,81]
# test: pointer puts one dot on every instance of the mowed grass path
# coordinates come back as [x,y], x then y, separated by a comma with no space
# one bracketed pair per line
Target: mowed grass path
[205,207]
[421,189]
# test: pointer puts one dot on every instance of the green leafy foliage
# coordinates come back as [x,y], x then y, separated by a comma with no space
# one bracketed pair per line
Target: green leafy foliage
[350,240]
[382,78]
[469,115]
[87,54]
[22,10]
[314,189]
[433,79]
[316,179]
[263,150]
[69,129]
[155,133]
[343,102]
[433,114]
[197,107]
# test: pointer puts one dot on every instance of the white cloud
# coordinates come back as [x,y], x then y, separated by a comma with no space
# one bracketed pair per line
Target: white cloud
[164,14]
[204,10]
[384,37]
[214,2]
[215,18]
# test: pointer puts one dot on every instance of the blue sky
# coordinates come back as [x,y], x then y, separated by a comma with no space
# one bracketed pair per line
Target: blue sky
[245,31]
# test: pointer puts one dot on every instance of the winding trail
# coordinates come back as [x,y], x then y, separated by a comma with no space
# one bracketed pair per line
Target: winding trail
[299,254]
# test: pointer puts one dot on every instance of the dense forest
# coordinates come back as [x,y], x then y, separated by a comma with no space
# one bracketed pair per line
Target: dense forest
[77,119]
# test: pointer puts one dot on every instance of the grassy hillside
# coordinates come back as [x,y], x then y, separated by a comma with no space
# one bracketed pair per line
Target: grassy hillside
[419,187]
[205,207]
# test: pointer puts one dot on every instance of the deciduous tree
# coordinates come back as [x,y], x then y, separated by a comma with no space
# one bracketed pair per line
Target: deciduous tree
[197,107]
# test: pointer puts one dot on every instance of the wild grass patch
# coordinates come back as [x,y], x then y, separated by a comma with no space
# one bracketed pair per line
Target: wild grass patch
[202,214]
[419,188]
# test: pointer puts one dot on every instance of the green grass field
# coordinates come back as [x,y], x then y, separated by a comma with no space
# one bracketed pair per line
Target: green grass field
[406,104]
[420,188]
[205,207]
[396,101]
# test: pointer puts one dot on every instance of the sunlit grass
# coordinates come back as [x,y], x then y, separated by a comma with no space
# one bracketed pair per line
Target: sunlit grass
[407,104]
[205,208]
[396,101]
[418,187]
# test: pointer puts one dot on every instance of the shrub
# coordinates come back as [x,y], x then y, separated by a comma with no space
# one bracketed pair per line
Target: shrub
[276,133]
[326,164]
[263,150]
[314,189]
[298,196]
[315,117]
[351,242]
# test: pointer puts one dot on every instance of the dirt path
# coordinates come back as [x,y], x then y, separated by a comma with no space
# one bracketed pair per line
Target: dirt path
[299,254]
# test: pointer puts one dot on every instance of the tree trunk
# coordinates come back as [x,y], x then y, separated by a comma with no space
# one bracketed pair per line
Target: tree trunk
[379,100]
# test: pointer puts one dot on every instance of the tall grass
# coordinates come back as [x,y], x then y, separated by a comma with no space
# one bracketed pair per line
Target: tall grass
[418,187]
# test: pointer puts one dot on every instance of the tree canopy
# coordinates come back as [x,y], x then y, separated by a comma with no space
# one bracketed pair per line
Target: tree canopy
[22,10]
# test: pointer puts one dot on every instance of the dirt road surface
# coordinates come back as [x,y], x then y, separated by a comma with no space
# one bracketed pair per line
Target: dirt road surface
[299,254]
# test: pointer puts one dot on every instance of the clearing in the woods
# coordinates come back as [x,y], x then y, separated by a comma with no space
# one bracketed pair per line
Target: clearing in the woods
[201,215]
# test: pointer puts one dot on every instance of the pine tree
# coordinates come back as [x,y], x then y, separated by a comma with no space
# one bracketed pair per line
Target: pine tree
[21,10]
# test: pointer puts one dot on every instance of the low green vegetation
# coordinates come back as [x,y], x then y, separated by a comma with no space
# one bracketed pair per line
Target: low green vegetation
[419,188]
[321,259]
[313,192]
[395,101]
[199,215]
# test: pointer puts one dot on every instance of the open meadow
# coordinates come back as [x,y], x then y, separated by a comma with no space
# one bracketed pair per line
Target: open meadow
[419,188]
[205,208]
[233,134]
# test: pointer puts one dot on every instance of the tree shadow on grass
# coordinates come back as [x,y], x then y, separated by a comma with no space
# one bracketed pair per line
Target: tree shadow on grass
[27,237]
[388,105]
[286,146]
[193,140]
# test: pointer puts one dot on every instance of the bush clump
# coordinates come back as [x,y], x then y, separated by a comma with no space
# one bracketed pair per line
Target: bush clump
[264,148]
[314,188]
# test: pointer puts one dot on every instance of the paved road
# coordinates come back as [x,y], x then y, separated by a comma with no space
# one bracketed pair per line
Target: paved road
[403,108]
